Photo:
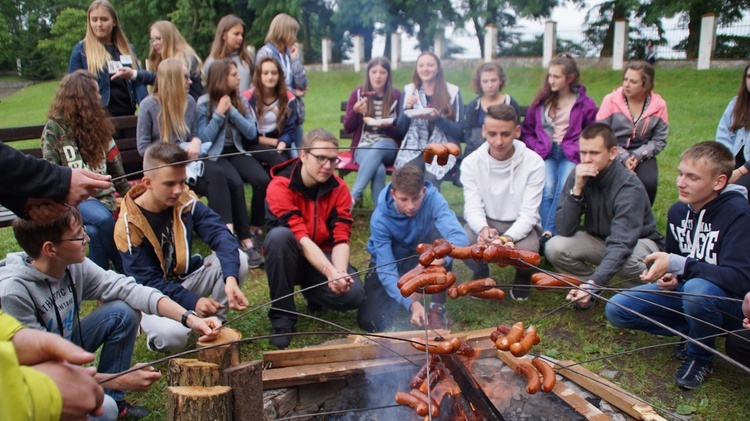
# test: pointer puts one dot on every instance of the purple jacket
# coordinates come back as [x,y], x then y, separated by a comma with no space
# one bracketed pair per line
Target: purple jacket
[354,123]
[536,139]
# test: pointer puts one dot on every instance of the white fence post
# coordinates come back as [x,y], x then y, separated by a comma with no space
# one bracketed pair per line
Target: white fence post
[395,50]
[359,51]
[439,43]
[550,42]
[326,53]
[707,41]
[490,42]
[619,48]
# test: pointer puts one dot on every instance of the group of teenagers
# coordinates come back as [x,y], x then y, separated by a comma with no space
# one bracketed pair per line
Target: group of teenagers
[526,185]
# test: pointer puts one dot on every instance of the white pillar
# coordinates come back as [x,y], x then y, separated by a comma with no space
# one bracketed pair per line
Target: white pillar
[550,42]
[359,51]
[439,42]
[707,41]
[490,42]
[619,48]
[395,50]
[326,52]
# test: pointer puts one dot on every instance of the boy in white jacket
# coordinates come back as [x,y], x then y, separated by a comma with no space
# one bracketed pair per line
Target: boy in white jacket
[503,183]
[44,286]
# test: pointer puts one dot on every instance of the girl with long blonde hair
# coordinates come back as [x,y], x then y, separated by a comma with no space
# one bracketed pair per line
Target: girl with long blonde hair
[169,115]
[167,41]
[78,134]
[106,53]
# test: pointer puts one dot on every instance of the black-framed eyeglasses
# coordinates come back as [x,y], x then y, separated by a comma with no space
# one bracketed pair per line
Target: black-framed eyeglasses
[323,159]
[83,239]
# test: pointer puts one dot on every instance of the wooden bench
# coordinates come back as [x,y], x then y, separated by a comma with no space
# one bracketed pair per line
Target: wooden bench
[131,159]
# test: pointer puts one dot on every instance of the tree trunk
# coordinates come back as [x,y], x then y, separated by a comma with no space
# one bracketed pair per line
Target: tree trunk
[480,36]
[199,403]
[694,30]
[368,44]
[189,372]
[223,356]
[619,11]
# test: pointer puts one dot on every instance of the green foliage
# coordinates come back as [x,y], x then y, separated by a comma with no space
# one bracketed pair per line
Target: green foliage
[68,29]
[731,46]
[6,53]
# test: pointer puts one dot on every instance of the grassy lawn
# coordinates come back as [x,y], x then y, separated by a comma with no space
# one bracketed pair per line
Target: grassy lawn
[578,336]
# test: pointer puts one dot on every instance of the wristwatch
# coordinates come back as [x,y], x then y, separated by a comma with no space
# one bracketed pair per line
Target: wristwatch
[185,317]
[575,197]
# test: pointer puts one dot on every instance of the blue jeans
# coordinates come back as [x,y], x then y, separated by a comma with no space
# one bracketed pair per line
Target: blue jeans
[113,324]
[297,142]
[100,227]
[558,167]
[372,163]
[704,309]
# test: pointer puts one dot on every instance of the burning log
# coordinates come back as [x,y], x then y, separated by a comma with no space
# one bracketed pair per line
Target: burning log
[421,375]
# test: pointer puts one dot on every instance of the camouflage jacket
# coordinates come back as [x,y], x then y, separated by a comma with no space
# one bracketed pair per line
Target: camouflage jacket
[59,147]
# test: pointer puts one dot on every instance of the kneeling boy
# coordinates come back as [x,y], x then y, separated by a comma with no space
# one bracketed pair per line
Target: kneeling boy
[410,211]
[708,235]
[43,288]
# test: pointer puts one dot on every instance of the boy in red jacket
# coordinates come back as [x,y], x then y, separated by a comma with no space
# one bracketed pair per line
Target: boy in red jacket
[307,208]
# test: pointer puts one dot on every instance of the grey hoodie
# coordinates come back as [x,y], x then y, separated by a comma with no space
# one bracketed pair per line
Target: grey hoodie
[27,294]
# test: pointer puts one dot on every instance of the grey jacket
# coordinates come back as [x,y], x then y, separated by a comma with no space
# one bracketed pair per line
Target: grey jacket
[31,296]
[616,209]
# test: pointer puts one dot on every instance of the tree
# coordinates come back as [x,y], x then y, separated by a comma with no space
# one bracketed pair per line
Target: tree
[422,18]
[68,29]
[357,17]
[691,12]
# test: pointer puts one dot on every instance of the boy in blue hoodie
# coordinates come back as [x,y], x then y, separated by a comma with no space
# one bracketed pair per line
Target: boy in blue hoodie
[706,264]
[410,211]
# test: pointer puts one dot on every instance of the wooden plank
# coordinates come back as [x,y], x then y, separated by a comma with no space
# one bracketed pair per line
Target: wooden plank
[608,391]
[316,373]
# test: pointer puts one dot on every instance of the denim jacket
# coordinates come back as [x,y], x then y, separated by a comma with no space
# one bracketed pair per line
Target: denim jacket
[212,127]
[136,88]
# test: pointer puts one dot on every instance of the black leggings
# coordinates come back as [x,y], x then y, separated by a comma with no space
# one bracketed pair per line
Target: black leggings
[246,169]
[214,185]
[648,172]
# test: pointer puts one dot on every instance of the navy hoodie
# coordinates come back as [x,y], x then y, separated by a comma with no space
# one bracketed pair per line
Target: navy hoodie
[717,251]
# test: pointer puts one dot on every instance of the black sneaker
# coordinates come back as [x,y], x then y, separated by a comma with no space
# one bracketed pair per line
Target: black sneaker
[254,259]
[692,374]
[680,351]
[128,411]
[281,342]
[520,291]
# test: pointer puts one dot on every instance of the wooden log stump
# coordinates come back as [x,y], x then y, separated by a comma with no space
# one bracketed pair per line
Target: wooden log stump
[246,381]
[190,372]
[199,403]
[224,356]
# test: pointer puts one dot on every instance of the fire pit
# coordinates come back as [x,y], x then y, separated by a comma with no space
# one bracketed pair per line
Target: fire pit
[358,381]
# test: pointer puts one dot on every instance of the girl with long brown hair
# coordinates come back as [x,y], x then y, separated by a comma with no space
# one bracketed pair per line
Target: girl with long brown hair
[167,41]
[370,115]
[226,121]
[274,107]
[433,112]
[281,44]
[552,125]
[106,53]
[229,42]
[169,116]
[734,130]
[78,134]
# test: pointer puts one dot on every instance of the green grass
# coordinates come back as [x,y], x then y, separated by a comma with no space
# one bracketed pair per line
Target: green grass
[696,101]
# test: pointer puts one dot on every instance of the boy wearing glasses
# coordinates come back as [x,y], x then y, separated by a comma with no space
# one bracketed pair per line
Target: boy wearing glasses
[307,210]
[43,288]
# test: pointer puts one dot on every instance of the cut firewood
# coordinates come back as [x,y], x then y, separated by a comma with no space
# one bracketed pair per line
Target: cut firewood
[199,403]
[246,381]
[224,356]
[189,372]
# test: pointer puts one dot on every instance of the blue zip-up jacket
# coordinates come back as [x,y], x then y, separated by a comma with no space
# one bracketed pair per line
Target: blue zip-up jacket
[136,88]
[717,250]
[212,126]
[394,236]
[142,256]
